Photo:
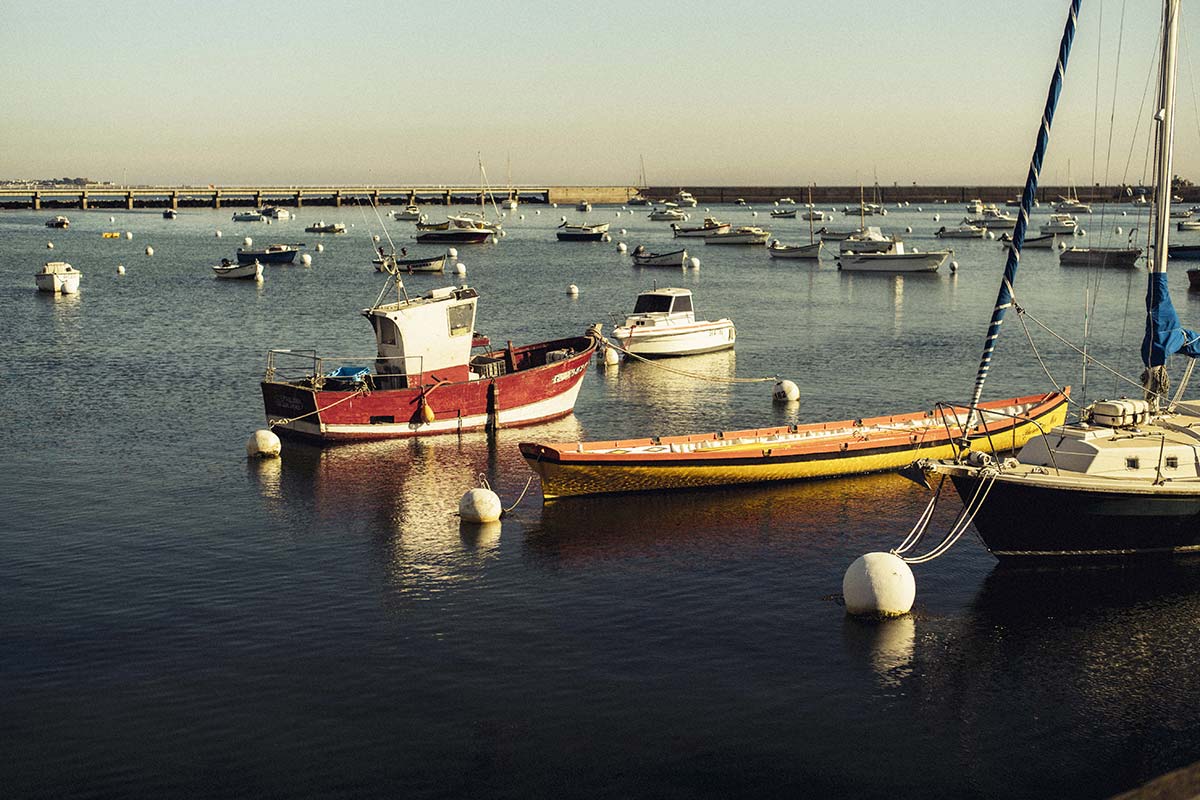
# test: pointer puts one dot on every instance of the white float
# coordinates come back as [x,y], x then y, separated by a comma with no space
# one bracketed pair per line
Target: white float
[49,245]
[218,234]
[621,247]
[480,505]
[611,357]
[786,392]
[320,247]
[460,268]
[695,262]
[954,266]
[128,234]
[149,250]
[247,242]
[573,290]
[120,269]
[263,444]
[306,259]
[879,585]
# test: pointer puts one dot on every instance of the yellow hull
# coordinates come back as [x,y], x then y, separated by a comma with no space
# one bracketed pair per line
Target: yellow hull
[859,457]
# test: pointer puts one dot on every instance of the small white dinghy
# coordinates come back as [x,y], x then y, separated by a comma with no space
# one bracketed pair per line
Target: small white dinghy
[58,277]
[663,324]
[895,260]
[644,258]
[778,249]
[227,269]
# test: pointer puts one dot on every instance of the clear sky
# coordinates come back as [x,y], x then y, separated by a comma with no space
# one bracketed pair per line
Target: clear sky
[832,92]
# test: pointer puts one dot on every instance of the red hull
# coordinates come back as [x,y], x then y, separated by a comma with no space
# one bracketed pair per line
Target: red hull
[530,391]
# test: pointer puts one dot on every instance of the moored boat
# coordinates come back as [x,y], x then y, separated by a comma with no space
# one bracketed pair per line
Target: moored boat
[1099,256]
[454,236]
[582,233]
[783,213]
[747,234]
[644,258]
[271,254]
[663,324]
[276,212]
[583,205]
[786,453]
[1183,252]
[667,215]
[711,225]
[1060,223]
[411,213]
[389,263]
[58,222]
[685,199]
[170,213]
[896,259]
[963,231]
[243,271]
[779,250]
[326,227]
[57,277]
[248,216]
[1048,241]
[869,240]
[423,379]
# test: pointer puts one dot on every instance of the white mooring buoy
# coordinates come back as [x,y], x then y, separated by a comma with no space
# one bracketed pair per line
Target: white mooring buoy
[1119,231]
[112,219]
[908,229]
[49,245]
[247,242]
[120,269]
[480,505]
[622,231]
[128,234]
[218,233]
[573,290]
[695,262]
[452,254]
[149,250]
[786,392]
[621,247]
[937,217]
[879,585]
[954,266]
[375,238]
[460,268]
[263,444]
[320,247]
[611,357]
[306,259]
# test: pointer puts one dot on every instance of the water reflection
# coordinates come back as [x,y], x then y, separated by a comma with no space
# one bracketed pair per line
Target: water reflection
[886,645]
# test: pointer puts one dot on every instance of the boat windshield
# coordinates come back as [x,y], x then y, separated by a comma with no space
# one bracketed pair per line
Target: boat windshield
[658,303]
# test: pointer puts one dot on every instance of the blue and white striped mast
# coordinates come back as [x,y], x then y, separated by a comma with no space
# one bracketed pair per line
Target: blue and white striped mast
[1004,298]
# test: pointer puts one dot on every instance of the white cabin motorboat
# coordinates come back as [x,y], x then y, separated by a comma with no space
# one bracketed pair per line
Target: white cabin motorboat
[975,207]
[992,218]
[814,215]
[869,240]
[747,234]
[963,231]
[1060,223]
[411,213]
[248,216]
[897,259]
[667,215]
[1072,205]
[663,323]
[711,225]
[275,212]
[685,200]
[58,277]
[58,222]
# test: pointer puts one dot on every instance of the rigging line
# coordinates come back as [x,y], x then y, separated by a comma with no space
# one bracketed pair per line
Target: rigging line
[1187,54]
[1138,126]
[1096,93]
[1042,363]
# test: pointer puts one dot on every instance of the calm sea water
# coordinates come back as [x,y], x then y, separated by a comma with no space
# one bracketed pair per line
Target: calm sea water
[177,621]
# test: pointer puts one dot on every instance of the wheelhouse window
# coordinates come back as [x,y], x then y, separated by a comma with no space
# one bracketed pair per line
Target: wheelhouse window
[654,303]
[1132,462]
[459,318]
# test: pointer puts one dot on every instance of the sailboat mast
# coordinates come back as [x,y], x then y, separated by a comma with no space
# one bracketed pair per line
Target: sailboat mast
[1004,297]
[810,216]
[1166,135]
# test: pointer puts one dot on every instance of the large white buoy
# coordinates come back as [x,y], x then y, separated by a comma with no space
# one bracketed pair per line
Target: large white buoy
[263,444]
[786,392]
[320,247]
[1119,231]
[120,269]
[754,213]
[460,268]
[621,247]
[991,234]
[573,290]
[879,585]
[908,229]
[480,505]
[521,217]
[149,250]
[49,245]
[937,217]
[622,231]
[306,259]
[954,266]
[218,233]
[452,254]
[611,357]
[695,262]
[128,234]
[247,242]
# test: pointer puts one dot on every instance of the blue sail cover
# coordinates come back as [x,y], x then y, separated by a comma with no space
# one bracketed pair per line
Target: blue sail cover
[1165,334]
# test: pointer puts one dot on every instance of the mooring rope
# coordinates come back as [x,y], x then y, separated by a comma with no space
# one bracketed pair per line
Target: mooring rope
[714,378]
[987,479]
[362,390]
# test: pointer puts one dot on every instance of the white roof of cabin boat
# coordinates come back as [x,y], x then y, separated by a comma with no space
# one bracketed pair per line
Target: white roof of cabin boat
[663,301]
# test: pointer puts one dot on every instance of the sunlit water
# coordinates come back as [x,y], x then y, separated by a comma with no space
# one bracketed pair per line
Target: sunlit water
[177,621]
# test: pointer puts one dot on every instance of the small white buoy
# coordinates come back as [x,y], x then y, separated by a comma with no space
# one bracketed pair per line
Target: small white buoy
[622,231]
[112,219]
[320,247]
[306,259]
[754,213]
[562,219]
[908,229]
[149,250]
[954,266]
[554,204]
[460,268]
[263,444]
[879,585]
[521,217]
[937,217]
[786,392]
[537,211]
[991,234]
[606,238]
[919,208]
[1124,213]
[573,290]
[49,245]
[247,242]
[611,357]
[120,269]
[128,234]
[218,234]
[480,505]
[1082,232]
[452,253]
[1119,231]
[617,214]
[1062,245]
[695,263]
[376,238]
[621,247]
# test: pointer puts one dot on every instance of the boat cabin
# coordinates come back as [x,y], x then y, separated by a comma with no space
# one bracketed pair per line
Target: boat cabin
[424,339]
[661,304]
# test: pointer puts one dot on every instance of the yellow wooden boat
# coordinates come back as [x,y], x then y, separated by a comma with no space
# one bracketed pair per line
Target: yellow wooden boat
[794,452]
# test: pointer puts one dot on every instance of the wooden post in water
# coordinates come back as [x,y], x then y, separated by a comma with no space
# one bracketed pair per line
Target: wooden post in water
[129,201]
[37,201]
[216,198]
[83,200]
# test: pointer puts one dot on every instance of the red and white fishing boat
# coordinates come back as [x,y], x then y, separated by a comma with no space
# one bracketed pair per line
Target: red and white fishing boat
[423,379]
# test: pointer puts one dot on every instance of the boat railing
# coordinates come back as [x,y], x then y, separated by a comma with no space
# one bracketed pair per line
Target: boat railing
[305,366]
[951,417]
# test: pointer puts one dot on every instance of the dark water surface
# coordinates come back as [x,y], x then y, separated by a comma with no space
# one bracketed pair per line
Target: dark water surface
[177,621]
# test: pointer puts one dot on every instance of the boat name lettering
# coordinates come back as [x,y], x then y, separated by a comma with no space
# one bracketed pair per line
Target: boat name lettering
[562,376]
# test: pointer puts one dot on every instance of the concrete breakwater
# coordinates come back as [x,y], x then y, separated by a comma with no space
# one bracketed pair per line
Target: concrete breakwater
[109,196]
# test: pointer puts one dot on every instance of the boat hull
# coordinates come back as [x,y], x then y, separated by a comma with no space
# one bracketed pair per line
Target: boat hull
[267,256]
[251,271]
[524,396]
[1094,257]
[676,259]
[581,236]
[411,265]
[892,262]
[687,340]
[809,251]
[737,238]
[1060,522]
[822,450]
[700,233]
[454,236]
[57,283]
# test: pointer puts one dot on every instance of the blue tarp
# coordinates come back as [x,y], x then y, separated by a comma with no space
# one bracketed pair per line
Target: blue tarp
[1165,334]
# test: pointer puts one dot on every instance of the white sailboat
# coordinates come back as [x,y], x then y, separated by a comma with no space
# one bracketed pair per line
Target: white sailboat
[1124,480]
